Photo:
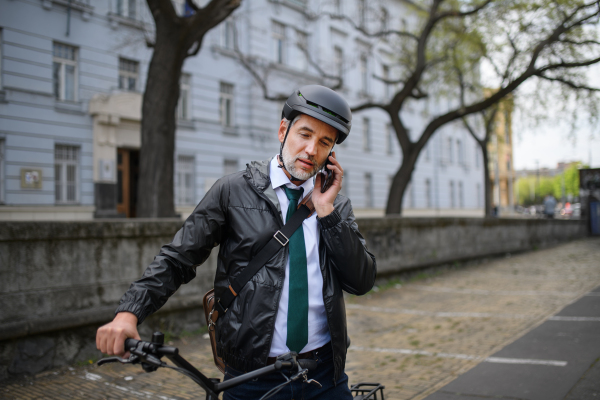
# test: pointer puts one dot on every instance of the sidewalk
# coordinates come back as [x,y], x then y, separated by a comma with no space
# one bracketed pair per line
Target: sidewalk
[417,338]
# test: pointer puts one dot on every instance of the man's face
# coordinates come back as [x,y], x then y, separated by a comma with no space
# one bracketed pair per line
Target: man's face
[307,146]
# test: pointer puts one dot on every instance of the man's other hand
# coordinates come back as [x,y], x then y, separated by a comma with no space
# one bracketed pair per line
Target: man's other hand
[110,338]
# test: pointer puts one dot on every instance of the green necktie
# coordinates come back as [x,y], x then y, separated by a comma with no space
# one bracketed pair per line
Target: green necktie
[297,318]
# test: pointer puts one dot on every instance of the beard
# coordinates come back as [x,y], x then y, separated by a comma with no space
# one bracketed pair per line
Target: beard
[289,161]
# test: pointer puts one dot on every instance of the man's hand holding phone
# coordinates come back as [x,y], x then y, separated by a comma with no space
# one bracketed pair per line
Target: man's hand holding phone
[324,196]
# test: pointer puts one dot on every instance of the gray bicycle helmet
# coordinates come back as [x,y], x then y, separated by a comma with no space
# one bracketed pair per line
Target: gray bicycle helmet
[323,104]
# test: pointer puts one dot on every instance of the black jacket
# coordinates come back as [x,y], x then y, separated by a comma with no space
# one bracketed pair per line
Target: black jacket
[240,213]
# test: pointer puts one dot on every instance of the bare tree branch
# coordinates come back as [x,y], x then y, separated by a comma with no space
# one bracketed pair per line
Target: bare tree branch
[247,64]
[456,13]
[569,83]
[364,31]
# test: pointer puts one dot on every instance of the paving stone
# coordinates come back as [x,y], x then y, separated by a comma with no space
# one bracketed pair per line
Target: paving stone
[399,336]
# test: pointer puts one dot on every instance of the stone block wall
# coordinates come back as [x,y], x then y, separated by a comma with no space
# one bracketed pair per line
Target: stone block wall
[59,281]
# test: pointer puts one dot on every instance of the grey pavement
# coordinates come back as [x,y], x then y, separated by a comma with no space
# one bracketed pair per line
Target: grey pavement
[520,327]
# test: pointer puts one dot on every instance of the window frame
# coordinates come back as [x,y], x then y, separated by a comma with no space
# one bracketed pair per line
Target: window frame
[279,42]
[126,9]
[302,40]
[184,195]
[428,193]
[364,73]
[369,200]
[63,63]
[362,13]
[389,136]
[127,74]
[184,105]
[228,35]
[61,185]
[226,98]
[366,131]
[2,169]
[338,59]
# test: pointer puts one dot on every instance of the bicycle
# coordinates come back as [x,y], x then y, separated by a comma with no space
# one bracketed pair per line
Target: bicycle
[149,355]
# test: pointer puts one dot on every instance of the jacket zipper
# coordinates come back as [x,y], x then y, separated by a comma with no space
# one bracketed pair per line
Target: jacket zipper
[276,212]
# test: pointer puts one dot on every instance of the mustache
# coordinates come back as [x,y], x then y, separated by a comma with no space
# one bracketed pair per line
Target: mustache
[309,158]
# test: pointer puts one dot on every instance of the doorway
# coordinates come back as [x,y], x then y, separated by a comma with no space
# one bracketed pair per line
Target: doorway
[128,162]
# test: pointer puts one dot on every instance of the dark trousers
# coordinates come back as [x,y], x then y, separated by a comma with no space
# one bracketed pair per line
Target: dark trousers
[255,389]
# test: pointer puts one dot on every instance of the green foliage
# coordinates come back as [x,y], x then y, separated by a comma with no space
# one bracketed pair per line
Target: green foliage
[531,191]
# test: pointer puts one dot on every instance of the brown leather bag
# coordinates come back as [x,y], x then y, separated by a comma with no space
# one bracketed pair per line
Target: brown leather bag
[211,316]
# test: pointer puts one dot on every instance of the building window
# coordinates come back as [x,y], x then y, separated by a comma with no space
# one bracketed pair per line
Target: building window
[230,166]
[226,104]
[461,199]
[427,152]
[386,77]
[66,174]
[460,153]
[384,19]
[362,13]
[478,190]
[228,35]
[64,72]
[389,138]
[337,5]
[368,190]
[128,74]
[183,106]
[452,200]
[127,8]
[1,69]
[428,193]
[1,171]
[476,156]
[410,194]
[364,73]
[366,134]
[184,181]
[345,191]
[302,45]
[278,34]
[338,56]
[450,151]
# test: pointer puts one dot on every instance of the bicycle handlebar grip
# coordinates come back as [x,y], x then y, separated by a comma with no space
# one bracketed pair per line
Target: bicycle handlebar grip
[308,364]
[129,343]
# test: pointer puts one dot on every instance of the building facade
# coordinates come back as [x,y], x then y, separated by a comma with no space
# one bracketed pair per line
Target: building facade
[71,83]
[500,151]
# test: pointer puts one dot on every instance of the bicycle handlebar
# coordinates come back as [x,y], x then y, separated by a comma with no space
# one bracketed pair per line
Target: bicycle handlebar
[150,354]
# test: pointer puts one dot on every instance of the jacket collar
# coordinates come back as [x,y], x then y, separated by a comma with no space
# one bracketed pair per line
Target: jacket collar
[257,175]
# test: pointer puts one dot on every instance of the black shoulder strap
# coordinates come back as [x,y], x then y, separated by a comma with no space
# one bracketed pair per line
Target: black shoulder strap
[280,239]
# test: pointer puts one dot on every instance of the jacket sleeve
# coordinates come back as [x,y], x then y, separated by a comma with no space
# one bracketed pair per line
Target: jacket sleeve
[176,262]
[347,251]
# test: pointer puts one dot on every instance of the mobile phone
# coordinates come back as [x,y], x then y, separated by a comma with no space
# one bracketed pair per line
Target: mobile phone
[327,178]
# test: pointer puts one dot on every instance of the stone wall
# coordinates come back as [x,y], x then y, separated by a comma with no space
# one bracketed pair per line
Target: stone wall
[60,280]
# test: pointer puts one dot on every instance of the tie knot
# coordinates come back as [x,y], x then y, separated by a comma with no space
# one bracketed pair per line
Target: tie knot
[293,194]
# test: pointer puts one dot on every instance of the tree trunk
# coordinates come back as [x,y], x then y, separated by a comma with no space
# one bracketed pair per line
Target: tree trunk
[400,182]
[155,185]
[487,183]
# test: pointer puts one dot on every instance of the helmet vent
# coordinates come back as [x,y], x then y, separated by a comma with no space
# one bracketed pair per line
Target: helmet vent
[328,111]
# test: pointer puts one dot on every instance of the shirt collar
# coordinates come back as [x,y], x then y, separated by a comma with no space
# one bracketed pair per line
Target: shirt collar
[279,178]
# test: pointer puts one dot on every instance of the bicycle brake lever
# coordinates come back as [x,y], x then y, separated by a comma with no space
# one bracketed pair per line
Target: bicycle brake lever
[108,360]
[313,382]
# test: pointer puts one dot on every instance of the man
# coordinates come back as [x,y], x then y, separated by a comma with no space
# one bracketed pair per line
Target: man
[295,301]
[549,206]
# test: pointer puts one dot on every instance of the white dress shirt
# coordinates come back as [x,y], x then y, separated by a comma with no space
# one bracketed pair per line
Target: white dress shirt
[318,330]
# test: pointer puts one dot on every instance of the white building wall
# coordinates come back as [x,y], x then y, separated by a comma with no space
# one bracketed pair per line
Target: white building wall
[32,121]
